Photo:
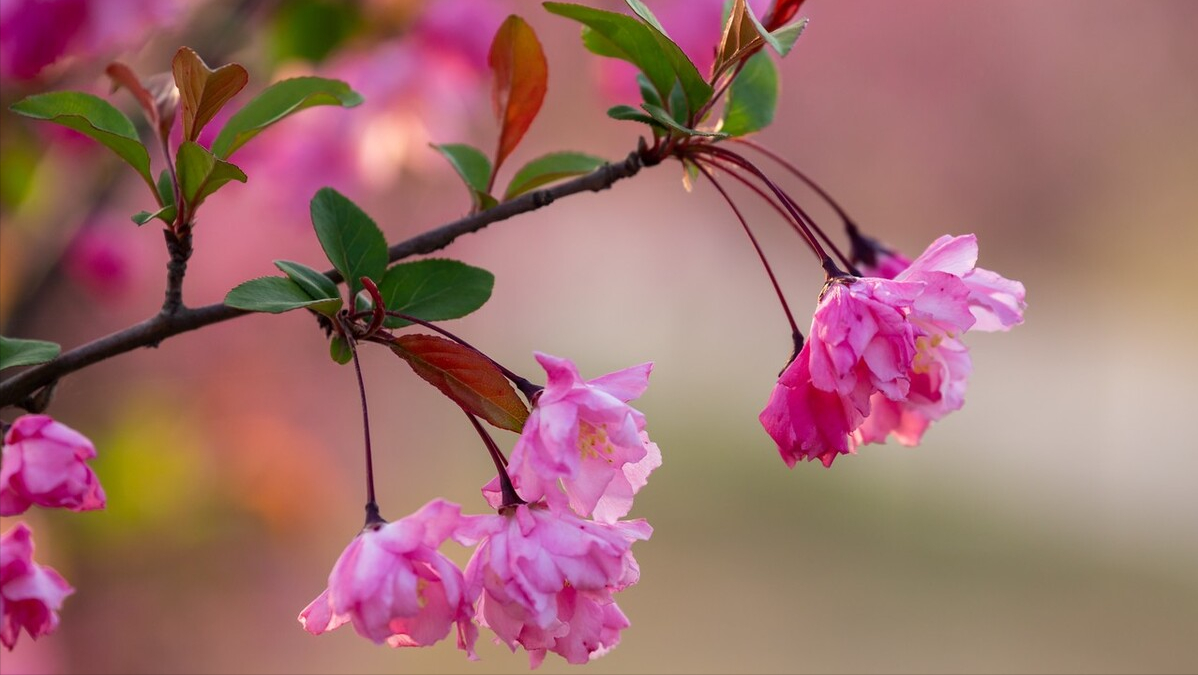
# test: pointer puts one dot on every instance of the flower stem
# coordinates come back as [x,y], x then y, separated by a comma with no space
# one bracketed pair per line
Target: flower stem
[794,327]
[801,176]
[510,498]
[786,216]
[805,224]
[372,507]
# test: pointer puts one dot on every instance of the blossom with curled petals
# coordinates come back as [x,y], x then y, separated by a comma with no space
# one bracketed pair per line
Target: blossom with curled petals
[584,433]
[30,594]
[394,586]
[45,463]
[545,578]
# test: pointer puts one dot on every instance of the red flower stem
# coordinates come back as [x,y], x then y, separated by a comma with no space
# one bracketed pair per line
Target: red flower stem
[801,176]
[372,507]
[805,223]
[510,498]
[794,327]
[786,216]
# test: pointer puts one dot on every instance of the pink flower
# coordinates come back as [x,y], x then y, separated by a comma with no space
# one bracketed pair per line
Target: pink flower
[545,578]
[806,422]
[941,367]
[588,626]
[585,434]
[30,594]
[395,587]
[870,339]
[44,463]
[997,303]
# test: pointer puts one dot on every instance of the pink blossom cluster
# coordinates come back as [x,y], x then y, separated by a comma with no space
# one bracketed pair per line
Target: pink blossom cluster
[44,463]
[545,567]
[884,355]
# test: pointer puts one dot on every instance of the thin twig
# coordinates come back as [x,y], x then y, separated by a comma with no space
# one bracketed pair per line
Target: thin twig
[18,390]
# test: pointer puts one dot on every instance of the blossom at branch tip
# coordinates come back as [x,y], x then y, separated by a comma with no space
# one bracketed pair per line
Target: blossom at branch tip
[30,594]
[45,463]
[544,579]
[394,586]
[584,433]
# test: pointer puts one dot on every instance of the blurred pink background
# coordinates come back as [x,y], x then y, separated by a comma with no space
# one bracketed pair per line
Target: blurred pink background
[1049,526]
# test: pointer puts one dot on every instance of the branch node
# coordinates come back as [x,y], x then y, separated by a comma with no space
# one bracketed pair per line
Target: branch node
[179,247]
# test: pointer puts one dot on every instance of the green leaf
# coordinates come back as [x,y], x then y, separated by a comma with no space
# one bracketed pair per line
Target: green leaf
[339,350]
[201,173]
[549,168]
[622,37]
[314,283]
[277,102]
[646,14]
[166,214]
[93,117]
[752,97]
[166,189]
[679,108]
[783,39]
[351,240]
[166,202]
[16,352]
[627,112]
[664,117]
[648,93]
[434,290]
[474,168]
[275,295]
[465,376]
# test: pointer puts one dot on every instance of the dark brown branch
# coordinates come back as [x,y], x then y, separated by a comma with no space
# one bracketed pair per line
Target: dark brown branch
[21,389]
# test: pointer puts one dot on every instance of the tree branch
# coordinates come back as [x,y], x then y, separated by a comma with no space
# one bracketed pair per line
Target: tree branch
[21,390]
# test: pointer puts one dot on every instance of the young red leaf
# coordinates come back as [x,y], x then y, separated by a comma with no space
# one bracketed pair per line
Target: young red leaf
[782,12]
[204,91]
[521,79]
[465,376]
[157,95]
[740,37]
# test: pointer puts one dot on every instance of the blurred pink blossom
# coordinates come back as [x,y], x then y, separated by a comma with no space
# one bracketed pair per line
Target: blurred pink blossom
[30,594]
[102,260]
[37,33]
[424,86]
[529,555]
[584,433]
[396,587]
[45,463]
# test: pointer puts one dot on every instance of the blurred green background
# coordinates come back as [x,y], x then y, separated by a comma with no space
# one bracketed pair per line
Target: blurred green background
[1049,526]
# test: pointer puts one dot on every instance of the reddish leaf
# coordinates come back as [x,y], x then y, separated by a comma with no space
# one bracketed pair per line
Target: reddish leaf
[204,91]
[782,12]
[740,38]
[465,376]
[157,94]
[521,78]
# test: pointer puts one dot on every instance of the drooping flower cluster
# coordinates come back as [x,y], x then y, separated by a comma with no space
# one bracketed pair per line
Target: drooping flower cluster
[884,355]
[544,573]
[43,464]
